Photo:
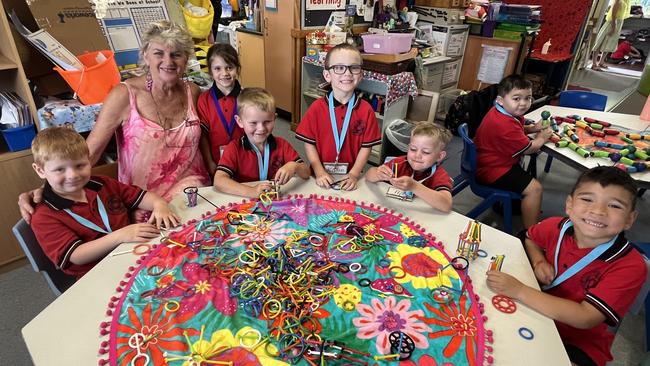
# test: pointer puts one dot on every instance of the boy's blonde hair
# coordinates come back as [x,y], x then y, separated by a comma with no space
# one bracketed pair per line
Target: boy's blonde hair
[341,47]
[437,132]
[58,143]
[255,97]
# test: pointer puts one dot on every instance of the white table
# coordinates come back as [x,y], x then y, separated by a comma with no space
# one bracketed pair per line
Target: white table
[576,161]
[67,331]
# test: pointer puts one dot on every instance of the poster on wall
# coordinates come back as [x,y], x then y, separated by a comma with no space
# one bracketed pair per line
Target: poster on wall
[324,4]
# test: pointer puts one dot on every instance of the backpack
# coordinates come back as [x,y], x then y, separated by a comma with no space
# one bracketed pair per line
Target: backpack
[470,108]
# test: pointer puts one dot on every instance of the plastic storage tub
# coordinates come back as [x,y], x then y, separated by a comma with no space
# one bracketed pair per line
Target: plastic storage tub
[19,138]
[387,42]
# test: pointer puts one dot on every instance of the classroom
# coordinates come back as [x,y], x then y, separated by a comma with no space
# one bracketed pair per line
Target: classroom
[325,182]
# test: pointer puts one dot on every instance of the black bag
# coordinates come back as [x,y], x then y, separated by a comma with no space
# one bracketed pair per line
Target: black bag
[470,108]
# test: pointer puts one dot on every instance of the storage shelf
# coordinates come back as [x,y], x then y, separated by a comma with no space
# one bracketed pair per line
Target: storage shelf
[7,64]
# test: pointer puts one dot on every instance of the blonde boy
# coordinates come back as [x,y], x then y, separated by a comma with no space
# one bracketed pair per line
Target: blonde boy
[83,218]
[419,171]
[340,128]
[258,155]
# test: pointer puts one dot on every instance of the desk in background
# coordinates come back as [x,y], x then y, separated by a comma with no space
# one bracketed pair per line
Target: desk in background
[572,159]
[67,333]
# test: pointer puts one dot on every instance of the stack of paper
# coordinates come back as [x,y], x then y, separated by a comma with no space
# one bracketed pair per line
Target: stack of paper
[15,112]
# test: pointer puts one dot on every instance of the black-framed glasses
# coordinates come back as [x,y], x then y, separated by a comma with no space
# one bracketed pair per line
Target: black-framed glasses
[341,69]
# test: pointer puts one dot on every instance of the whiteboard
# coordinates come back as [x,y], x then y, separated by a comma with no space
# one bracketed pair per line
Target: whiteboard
[493,63]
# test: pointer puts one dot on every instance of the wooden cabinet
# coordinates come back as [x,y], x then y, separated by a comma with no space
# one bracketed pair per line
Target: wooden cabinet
[17,173]
[472,60]
[250,47]
[18,176]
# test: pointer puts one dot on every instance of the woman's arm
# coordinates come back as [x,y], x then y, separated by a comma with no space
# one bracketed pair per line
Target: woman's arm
[114,110]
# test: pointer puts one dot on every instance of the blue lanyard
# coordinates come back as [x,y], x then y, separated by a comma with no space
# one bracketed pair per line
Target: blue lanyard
[230,127]
[502,110]
[579,265]
[91,225]
[338,139]
[433,171]
[263,164]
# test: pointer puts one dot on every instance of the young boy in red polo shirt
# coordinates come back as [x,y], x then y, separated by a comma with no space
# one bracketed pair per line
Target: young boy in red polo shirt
[258,155]
[340,128]
[590,274]
[419,171]
[83,218]
[502,139]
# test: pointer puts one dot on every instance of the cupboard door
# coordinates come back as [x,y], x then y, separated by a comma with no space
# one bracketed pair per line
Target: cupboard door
[251,55]
[279,53]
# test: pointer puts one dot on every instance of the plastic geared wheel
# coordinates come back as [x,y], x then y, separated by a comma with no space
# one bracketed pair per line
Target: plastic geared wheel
[504,304]
[401,344]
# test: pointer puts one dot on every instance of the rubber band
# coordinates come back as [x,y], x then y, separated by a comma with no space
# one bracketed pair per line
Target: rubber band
[150,271]
[399,268]
[176,305]
[481,253]
[364,282]
[244,335]
[383,263]
[526,333]
[138,249]
[355,267]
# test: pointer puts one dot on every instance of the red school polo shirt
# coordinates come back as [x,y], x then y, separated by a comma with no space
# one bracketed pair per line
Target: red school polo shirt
[239,159]
[211,122]
[500,142]
[315,128]
[610,283]
[439,181]
[59,234]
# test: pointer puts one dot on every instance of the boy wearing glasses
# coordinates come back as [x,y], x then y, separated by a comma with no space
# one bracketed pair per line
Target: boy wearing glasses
[502,139]
[340,128]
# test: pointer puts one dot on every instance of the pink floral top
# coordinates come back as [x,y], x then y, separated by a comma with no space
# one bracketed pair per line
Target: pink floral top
[158,160]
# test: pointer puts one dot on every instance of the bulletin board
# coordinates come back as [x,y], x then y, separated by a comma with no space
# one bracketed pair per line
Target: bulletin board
[318,18]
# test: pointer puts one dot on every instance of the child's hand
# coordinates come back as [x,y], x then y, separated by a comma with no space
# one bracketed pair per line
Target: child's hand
[285,173]
[405,183]
[544,272]
[504,284]
[137,233]
[263,188]
[162,215]
[350,184]
[545,133]
[384,173]
[324,180]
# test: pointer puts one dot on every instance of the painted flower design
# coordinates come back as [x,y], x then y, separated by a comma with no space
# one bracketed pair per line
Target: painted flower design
[379,320]
[458,323]
[160,331]
[421,267]
[170,256]
[198,289]
[225,347]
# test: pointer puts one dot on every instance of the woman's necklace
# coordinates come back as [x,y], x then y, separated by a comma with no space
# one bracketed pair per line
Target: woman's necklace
[162,122]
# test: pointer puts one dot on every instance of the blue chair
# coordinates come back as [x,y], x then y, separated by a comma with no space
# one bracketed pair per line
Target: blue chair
[489,194]
[57,280]
[643,299]
[579,99]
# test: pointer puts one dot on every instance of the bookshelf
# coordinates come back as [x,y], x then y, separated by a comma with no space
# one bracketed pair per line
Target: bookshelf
[18,175]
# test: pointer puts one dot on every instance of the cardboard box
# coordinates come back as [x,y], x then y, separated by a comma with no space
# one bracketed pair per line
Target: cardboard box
[71,22]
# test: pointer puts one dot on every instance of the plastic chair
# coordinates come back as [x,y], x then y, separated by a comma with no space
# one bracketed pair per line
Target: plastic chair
[643,299]
[57,280]
[579,99]
[490,195]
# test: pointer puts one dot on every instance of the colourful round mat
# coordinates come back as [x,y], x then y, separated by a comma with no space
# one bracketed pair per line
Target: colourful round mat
[305,280]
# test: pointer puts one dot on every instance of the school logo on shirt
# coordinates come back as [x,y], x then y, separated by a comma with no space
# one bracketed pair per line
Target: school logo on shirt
[115,206]
[590,279]
[358,127]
